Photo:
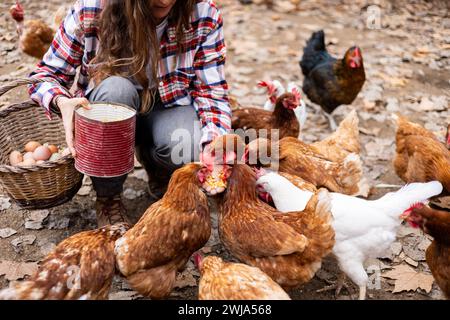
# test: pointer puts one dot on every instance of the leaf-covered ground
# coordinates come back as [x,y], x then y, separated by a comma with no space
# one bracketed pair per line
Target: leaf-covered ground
[406,49]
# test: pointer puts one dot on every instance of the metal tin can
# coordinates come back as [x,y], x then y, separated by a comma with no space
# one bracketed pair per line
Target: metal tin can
[105,140]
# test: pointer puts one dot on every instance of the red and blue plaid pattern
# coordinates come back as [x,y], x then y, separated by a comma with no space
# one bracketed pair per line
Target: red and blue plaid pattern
[195,77]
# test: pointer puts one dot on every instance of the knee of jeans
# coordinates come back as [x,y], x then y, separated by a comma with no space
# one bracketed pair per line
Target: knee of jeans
[175,154]
[116,89]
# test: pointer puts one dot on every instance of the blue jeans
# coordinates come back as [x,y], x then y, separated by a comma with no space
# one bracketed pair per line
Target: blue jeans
[155,133]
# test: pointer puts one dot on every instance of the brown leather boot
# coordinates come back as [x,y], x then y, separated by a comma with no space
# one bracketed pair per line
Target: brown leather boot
[110,211]
[157,186]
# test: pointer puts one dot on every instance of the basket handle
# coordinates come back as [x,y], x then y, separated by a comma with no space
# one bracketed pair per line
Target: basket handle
[19,82]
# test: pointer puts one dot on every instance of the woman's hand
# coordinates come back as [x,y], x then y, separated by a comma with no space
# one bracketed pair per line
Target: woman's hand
[67,107]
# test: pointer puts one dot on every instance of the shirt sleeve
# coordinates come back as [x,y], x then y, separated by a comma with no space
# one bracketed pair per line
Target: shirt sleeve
[210,92]
[58,67]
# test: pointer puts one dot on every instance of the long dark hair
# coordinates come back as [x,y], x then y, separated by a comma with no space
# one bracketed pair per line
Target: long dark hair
[128,40]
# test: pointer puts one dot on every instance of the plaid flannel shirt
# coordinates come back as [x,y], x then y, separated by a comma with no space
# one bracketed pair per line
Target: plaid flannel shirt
[195,77]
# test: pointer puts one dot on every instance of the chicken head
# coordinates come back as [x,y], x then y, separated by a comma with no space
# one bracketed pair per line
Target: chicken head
[353,58]
[218,159]
[17,12]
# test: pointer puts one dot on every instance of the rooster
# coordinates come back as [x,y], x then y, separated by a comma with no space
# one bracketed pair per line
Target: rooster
[170,231]
[437,224]
[287,247]
[80,267]
[35,36]
[364,229]
[420,156]
[222,280]
[328,81]
[283,117]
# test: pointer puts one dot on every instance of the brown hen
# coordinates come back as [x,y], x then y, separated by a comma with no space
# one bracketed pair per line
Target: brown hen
[344,141]
[80,267]
[283,117]
[170,231]
[420,156]
[222,280]
[297,158]
[437,224]
[35,36]
[288,247]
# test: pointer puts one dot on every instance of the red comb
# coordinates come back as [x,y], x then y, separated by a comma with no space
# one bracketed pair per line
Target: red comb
[197,259]
[269,85]
[245,156]
[296,94]
[408,211]
[17,12]
[259,172]
[448,136]
[207,158]
[263,84]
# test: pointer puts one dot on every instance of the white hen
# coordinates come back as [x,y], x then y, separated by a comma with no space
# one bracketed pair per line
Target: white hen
[301,112]
[274,90]
[364,228]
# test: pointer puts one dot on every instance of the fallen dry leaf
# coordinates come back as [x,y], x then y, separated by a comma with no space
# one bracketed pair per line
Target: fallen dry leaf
[123,295]
[17,270]
[84,191]
[140,174]
[4,203]
[23,240]
[407,279]
[7,232]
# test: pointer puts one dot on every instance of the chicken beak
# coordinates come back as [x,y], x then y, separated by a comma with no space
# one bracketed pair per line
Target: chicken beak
[216,181]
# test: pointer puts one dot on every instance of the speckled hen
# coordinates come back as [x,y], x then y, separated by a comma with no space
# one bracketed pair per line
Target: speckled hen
[222,280]
[80,267]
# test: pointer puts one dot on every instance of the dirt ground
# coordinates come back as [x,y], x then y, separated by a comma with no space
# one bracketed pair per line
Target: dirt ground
[406,49]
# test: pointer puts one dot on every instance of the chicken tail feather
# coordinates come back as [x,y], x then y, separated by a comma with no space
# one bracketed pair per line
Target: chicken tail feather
[319,226]
[350,173]
[314,52]
[397,202]
[156,283]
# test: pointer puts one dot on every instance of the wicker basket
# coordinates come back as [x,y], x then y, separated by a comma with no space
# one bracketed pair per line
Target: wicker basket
[38,186]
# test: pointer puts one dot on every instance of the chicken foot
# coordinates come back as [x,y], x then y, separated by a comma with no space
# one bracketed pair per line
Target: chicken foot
[362,292]
[337,285]
[331,121]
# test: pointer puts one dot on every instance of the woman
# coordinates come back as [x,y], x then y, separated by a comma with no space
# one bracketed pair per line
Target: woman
[163,57]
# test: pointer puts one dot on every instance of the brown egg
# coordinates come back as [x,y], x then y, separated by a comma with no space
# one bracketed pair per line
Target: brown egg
[53,148]
[28,155]
[28,162]
[42,153]
[31,146]
[15,158]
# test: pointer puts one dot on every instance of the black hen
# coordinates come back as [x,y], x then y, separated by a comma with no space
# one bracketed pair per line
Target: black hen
[330,82]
